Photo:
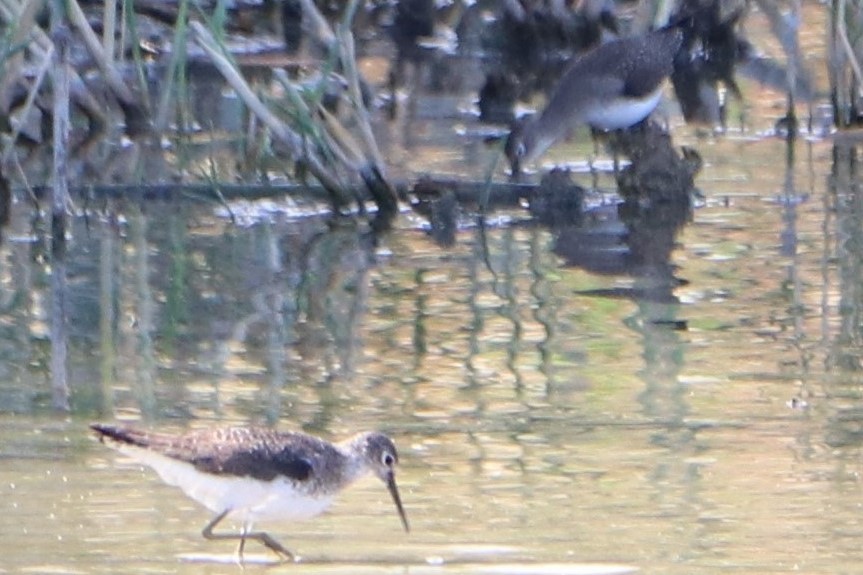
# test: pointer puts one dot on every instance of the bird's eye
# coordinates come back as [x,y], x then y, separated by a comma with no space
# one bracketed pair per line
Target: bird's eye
[521,150]
[388,459]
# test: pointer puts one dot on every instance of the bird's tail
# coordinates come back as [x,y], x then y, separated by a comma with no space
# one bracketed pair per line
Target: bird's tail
[122,435]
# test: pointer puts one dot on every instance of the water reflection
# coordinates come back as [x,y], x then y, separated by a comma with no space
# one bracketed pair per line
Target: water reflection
[615,393]
[548,414]
[846,205]
[844,331]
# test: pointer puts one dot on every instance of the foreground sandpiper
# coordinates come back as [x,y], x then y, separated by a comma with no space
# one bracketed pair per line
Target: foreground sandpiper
[253,474]
[614,86]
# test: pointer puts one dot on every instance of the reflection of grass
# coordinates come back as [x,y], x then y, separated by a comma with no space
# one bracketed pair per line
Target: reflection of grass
[602,315]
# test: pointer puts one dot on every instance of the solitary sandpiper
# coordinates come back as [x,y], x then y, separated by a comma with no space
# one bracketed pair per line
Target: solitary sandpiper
[614,86]
[253,474]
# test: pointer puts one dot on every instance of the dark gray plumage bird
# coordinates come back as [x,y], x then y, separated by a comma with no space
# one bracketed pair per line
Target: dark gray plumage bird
[613,86]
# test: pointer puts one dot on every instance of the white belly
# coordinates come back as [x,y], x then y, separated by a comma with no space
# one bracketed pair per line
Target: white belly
[622,114]
[250,500]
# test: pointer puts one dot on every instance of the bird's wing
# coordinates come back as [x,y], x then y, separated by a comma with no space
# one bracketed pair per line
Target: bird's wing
[245,452]
[649,60]
[249,452]
[260,462]
[564,111]
[643,80]
[608,86]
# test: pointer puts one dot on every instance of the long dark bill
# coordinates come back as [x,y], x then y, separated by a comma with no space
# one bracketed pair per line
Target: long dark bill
[394,491]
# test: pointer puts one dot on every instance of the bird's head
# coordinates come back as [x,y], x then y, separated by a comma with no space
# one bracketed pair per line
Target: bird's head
[381,457]
[519,145]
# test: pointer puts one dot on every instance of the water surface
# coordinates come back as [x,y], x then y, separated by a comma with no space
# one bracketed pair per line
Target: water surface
[551,418]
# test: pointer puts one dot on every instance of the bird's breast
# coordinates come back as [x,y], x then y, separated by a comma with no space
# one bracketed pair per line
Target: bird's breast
[619,113]
[249,499]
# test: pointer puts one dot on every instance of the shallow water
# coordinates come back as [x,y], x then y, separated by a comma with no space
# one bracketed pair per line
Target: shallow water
[543,428]
[550,419]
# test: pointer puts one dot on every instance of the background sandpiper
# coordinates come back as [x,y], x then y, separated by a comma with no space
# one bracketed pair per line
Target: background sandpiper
[613,86]
[252,474]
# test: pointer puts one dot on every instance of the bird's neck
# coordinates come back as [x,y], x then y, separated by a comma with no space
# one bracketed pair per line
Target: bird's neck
[354,461]
[541,133]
